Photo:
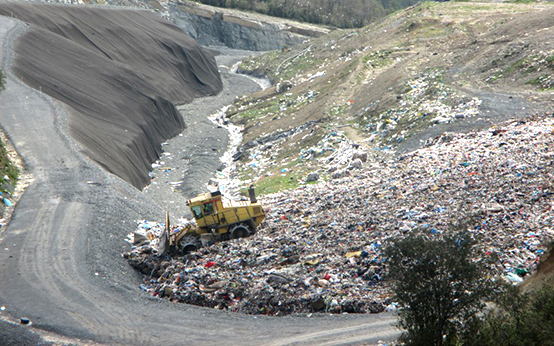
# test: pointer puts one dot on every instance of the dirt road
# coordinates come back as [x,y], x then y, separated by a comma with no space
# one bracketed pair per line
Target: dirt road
[60,257]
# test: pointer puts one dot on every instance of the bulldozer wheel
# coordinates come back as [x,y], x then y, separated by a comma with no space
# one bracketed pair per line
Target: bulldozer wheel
[240,231]
[188,244]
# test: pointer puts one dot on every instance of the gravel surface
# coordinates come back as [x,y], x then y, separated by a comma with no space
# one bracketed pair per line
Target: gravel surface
[191,158]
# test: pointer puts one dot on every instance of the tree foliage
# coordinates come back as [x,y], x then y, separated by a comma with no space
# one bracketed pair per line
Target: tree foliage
[439,287]
[519,319]
[338,13]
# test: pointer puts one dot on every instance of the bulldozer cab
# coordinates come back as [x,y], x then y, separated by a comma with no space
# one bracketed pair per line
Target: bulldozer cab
[204,208]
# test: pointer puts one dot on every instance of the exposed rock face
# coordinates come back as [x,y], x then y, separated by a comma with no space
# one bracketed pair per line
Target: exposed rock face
[119,72]
[213,27]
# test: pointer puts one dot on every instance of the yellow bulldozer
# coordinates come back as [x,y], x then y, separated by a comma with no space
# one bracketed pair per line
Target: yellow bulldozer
[215,220]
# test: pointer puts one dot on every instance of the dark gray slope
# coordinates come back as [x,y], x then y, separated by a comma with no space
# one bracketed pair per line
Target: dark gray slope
[122,72]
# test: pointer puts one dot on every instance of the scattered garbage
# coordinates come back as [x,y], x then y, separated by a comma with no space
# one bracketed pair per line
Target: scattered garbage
[283,86]
[320,248]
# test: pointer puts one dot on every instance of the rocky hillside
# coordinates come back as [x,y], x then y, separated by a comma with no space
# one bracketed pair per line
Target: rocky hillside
[123,72]
[239,30]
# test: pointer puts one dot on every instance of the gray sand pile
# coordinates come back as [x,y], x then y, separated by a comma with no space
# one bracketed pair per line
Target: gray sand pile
[119,72]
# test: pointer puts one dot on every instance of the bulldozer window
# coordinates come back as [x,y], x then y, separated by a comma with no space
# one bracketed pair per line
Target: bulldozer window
[208,208]
[197,211]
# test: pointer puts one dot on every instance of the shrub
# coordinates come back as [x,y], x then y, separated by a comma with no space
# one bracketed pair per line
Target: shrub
[438,285]
[2,80]
[519,319]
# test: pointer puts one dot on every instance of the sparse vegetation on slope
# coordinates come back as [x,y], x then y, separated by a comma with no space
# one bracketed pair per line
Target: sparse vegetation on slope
[397,83]
[8,171]
[2,79]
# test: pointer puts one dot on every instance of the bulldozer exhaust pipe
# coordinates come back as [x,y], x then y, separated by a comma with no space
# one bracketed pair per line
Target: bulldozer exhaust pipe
[252,194]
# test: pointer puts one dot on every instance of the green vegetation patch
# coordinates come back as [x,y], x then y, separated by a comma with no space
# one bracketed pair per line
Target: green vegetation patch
[519,319]
[2,80]
[9,173]
[427,28]
[276,183]
[298,65]
[527,66]
[260,111]
[544,82]
[378,58]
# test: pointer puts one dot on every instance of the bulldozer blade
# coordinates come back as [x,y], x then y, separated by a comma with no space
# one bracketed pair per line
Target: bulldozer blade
[163,246]
[167,226]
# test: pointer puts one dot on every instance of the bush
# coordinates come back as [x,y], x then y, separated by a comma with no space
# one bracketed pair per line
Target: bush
[439,287]
[519,319]
[9,173]
[2,80]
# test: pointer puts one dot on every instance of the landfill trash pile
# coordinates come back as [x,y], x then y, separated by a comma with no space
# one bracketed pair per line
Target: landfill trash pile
[320,248]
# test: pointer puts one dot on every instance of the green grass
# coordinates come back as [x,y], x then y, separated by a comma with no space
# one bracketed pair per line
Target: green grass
[298,66]
[471,7]
[260,111]
[279,182]
[515,66]
[523,1]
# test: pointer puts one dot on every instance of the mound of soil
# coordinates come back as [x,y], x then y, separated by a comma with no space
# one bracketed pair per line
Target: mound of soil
[119,72]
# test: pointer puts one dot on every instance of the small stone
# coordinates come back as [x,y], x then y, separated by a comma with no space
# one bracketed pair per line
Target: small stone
[313,176]
[495,208]
[340,174]
[356,164]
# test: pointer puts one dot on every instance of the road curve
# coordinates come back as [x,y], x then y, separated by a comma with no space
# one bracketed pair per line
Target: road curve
[60,256]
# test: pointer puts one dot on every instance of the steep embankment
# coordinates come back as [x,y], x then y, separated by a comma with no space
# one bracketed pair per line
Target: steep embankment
[240,30]
[123,70]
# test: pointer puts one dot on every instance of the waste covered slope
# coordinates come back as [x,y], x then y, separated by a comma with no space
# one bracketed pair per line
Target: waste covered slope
[396,84]
[320,248]
[120,72]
